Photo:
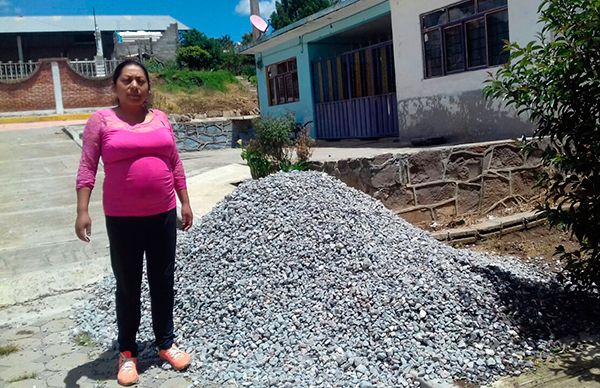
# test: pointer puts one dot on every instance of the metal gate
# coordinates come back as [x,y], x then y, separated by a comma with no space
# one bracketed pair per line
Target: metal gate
[355,94]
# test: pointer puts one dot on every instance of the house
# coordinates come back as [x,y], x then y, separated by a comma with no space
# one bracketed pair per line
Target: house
[29,38]
[412,70]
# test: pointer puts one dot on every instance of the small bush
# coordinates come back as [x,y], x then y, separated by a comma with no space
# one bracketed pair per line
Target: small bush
[273,148]
[193,57]
[274,136]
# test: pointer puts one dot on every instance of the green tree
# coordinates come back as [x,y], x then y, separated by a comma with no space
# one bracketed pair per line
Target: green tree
[555,81]
[193,57]
[247,38]
[226,43]
[212,46]
[288,11]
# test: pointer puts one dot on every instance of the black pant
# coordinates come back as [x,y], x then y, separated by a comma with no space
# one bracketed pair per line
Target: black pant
[130,238]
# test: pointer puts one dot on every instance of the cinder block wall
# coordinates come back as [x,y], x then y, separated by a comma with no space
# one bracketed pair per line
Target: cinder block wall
[164,48]
[37,91]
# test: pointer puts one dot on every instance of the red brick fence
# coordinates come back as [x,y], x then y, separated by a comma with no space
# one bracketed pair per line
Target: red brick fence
[54,86]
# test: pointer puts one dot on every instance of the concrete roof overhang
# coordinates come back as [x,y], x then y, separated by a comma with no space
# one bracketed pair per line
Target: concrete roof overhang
[309,24]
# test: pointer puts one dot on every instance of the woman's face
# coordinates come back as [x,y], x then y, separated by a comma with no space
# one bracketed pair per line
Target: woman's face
[132,87]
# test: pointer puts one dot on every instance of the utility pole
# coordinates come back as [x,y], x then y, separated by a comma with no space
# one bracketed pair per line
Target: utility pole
[255,10]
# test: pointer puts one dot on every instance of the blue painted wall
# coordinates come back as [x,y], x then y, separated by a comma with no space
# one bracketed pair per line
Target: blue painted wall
[306,50]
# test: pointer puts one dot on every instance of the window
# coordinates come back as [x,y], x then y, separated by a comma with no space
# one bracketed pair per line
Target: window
[465,36]
[282,82]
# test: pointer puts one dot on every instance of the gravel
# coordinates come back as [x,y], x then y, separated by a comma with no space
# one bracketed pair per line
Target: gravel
[298,280]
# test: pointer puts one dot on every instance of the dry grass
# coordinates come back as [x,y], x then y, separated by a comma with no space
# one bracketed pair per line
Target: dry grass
[237,97]
[25,376]
[5,350]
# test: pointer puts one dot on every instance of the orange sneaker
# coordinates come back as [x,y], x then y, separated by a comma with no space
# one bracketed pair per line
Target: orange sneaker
[178,359]
[128,374]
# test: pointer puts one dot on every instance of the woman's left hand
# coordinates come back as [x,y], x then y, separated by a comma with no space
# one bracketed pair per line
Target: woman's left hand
[187,217]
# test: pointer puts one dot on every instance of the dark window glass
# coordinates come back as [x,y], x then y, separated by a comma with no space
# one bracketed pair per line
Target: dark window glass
[273,98]
[295,89]
[461,11]
[390,69]
[485,5]
[289,88]
[464,36]
[282,81]
[497,35]
[433,53]
[345,77]
[455,55]
[476,50]
[434,19]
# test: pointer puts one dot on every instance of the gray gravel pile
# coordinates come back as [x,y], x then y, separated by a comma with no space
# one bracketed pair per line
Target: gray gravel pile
[297,279]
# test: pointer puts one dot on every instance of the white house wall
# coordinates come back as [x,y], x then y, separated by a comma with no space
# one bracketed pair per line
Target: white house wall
[452,106]
[304,49]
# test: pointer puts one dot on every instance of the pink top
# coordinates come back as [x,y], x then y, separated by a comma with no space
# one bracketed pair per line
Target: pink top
[141,164]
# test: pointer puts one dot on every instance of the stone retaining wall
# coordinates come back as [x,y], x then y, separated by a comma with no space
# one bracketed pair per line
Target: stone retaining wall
[211,134]
[444,183]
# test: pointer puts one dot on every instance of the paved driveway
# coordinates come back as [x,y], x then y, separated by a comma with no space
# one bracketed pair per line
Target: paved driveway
[39,253]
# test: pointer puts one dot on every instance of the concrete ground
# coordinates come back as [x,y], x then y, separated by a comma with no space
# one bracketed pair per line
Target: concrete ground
[44,269]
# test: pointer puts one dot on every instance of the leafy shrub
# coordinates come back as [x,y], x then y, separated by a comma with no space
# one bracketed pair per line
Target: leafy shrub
[193,58]
[273,148]
[259,163]
[274,136]
[556,83]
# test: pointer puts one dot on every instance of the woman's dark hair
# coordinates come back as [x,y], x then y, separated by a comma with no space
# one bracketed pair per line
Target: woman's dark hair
[121,66]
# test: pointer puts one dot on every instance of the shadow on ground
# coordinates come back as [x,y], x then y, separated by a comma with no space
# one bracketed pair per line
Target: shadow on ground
[104,367]
[549,312]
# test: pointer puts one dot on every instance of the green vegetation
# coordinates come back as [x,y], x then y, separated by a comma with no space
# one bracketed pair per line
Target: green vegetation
[84,339]
[274,147]
[5,350]
[190,80]
[25,376]
[289,11]
[193,57]
[555,82]
[202,63]
[199,52]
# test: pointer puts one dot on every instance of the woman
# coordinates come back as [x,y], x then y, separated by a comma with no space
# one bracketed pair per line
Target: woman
[142,174]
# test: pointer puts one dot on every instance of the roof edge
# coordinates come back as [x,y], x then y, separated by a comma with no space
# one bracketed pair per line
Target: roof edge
[298,23]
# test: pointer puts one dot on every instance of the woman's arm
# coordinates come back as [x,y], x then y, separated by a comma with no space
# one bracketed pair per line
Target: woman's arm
[86,174]
[83,223]
[179,180]
[187,217]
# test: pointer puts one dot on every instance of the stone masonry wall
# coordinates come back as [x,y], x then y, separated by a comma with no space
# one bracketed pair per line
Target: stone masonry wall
[445,183]
[210,134]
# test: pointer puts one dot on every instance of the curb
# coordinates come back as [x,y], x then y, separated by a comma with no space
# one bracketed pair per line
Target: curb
[31,119]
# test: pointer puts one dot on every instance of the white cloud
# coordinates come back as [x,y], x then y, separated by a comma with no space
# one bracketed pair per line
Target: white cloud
[243,8]
[4,5]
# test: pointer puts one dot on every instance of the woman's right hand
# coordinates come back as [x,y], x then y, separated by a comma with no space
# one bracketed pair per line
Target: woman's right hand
[83,226]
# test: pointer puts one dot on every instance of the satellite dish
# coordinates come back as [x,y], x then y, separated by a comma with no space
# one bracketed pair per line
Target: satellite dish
[259,23]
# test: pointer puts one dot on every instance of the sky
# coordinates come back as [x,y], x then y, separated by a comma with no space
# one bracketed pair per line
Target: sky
[213,17]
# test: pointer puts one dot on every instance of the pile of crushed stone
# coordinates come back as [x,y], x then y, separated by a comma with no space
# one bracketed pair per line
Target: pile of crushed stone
[296,279]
